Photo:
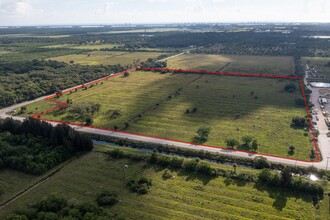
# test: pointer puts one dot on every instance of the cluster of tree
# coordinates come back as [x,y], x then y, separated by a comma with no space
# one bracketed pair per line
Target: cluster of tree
[248,140]
[34,147]
[140,186]
[83,109]
[258,162]
[299,122]
[153,63]
[58,207]
[286,180]
[25,80]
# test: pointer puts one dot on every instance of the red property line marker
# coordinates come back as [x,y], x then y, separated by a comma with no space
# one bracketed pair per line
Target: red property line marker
[64,105]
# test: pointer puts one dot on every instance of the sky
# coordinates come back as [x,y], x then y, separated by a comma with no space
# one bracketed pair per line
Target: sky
[66,12]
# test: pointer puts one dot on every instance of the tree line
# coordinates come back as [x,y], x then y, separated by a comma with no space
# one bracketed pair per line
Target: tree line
[26,80]
[34,146]
[265,177]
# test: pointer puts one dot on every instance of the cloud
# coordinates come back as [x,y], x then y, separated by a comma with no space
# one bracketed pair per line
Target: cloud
[15,7]
[105,9]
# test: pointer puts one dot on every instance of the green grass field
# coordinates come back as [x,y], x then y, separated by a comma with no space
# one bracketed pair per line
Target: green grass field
[187,196]
[106,57]
[142,100]
[248,64]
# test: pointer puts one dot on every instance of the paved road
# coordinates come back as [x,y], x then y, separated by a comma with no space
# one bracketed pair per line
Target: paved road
[324,142]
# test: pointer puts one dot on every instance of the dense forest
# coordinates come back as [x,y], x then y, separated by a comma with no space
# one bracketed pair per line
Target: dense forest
[34,147]
[26,80]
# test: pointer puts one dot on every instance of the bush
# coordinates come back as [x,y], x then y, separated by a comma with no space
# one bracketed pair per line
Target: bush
[116,153]
[167,174]
[106,199]
[142,186]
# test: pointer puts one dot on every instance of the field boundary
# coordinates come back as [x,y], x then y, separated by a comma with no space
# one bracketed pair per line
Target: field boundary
[61,105]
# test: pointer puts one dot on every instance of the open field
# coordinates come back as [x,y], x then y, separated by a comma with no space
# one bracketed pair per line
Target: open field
[188,196]
[12,182]
[142,100]
[106,57]
[248,64]
[2,52]
[84,47]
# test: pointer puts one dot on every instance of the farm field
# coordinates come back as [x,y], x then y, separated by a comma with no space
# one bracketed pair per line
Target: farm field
[156,104]
[248,64]
[84,47]
[106,57]
[185,197]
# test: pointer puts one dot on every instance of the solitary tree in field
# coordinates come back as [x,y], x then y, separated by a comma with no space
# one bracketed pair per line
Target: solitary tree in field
[291,149]
[203,134]
[235,167]
[247,139]
[232,142]
[254,145]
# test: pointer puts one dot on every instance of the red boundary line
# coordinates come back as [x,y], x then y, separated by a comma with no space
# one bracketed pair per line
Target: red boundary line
[64,105]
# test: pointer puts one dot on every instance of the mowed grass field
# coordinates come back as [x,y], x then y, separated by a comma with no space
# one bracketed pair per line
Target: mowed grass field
[188,196]
[263,108]
[249,64]
[106,57]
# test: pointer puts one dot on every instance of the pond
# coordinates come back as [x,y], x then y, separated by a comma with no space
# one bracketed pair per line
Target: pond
[320,85]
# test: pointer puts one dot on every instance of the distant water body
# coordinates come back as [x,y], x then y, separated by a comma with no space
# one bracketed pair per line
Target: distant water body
[320,85]
[321,37]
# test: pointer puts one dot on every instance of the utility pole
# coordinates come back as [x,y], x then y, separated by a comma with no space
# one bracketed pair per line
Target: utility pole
[326,168]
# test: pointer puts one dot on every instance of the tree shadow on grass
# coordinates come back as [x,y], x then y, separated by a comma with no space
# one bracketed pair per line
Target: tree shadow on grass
[236,182]
[281,196]
[191,176]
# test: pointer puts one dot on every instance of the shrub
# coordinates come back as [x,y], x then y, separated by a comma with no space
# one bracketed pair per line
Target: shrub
[142,186]
[106,199]
[116,153]
[167,175]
